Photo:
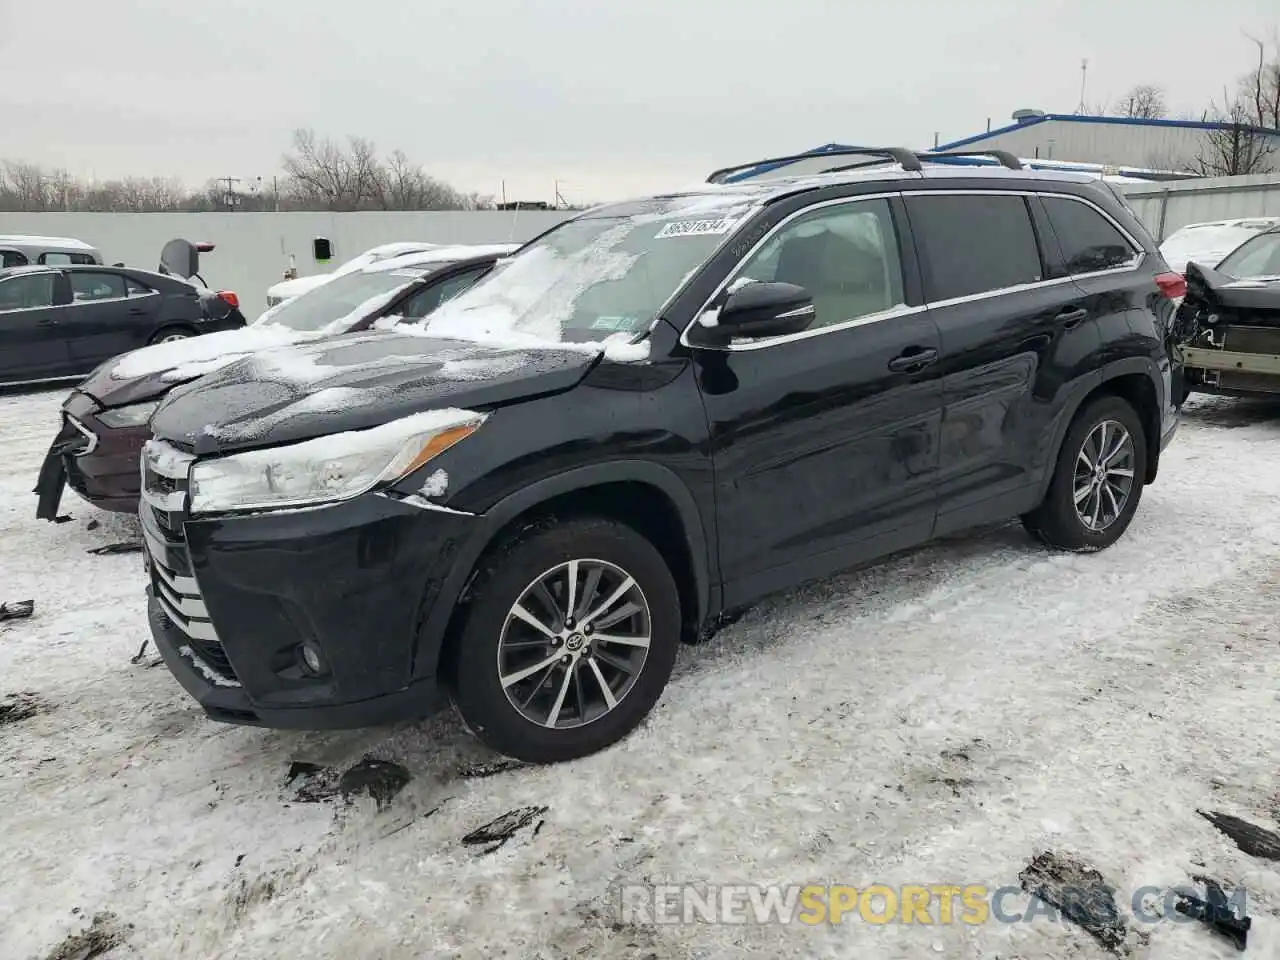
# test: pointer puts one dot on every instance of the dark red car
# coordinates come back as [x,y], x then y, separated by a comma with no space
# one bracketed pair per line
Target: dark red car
[105,420]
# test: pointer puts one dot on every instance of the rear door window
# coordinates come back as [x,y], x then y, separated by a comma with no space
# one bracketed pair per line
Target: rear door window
[13,258]
[1089,241]
[973,244]
[66,259]
[87,287]
[135,289]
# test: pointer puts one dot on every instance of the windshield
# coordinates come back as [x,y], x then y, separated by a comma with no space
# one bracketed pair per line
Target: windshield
[600,276]
[343,301]
[1256,259]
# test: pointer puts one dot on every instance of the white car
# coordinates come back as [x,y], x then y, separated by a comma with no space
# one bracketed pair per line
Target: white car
[1208,243]
[288,289]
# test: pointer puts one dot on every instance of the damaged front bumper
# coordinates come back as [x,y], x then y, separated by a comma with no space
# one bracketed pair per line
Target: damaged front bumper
[73,440]
[98,462]
[1234,361]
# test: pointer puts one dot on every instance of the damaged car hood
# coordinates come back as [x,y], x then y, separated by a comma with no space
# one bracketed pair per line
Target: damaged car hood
[361,380]
[150,372]
[1256,300]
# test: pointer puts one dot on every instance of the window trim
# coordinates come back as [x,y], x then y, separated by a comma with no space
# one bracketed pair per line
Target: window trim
[803,334]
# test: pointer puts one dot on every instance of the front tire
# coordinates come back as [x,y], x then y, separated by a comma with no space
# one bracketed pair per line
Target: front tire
[1097,481]
[568,641]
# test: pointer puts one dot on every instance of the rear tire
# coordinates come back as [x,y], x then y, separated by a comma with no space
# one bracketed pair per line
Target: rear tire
[170,334]
[1097,481]
[576,691]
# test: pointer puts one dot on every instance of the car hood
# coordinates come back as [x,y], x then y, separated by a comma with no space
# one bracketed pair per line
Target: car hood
[1254,297]
[150,372]
[353,382]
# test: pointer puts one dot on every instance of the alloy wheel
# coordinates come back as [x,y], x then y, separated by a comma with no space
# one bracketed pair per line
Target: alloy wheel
[574,643]
[1104,475]
[172,337]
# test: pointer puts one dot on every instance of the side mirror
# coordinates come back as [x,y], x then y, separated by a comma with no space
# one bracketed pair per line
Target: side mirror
[763,310]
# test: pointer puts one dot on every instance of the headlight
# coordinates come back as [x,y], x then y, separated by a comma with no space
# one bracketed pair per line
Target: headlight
[135,415]
[327,469]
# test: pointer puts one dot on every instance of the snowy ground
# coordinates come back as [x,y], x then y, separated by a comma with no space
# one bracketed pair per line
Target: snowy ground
[940,718]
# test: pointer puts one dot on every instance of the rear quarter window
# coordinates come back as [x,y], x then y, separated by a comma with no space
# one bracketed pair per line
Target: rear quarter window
[67,259]
[973,244]
[1089,241]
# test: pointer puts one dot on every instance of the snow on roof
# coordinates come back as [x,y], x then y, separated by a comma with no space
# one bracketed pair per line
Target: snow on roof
[68,242]
[442,255]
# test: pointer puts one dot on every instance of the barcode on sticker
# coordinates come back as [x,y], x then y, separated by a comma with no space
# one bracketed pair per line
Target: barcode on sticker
[694,228]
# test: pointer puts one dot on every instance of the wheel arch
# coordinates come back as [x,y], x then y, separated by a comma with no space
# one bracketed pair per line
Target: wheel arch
[1133,379]
[623,490]
[171,326]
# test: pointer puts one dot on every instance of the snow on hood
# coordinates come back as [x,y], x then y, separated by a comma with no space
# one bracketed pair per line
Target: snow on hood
[1209,243]
[203,353]
[286,289]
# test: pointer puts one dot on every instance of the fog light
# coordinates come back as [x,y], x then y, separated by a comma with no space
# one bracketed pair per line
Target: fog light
[311,659]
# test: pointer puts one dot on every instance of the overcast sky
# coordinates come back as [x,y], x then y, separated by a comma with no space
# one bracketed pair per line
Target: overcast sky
[612,97]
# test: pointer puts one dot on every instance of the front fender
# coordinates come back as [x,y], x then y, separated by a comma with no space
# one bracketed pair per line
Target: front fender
[493,521]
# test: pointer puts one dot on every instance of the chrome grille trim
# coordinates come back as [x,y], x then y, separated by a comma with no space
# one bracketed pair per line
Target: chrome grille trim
[164,482]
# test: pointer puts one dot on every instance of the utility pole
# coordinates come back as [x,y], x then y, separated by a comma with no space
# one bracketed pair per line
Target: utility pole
[1084,74]
[230,196]
[560,204]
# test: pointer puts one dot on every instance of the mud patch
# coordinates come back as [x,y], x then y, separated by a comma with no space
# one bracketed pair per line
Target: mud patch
[1253,840]
[15,707]
[16,609]
[496,833]
[105,933]
[490,768]
[128,546]
[379,779]
[1215,909]
[1080,894]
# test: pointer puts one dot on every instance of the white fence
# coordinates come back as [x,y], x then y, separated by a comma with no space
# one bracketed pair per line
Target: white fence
[253,249]
[1164,207]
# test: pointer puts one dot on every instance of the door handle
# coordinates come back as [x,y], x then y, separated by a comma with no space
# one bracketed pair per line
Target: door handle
[1071,317]
[913,359]
[47,322]
[137,312]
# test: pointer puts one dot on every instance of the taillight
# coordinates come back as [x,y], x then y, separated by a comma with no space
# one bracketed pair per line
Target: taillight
[1172,285]
[229,298]
[204,246]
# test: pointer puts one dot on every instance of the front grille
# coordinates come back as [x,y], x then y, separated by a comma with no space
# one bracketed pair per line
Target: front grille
[173,581]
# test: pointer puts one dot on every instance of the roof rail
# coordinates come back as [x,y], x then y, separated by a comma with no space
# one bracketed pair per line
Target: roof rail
[1006,159]
[905,157]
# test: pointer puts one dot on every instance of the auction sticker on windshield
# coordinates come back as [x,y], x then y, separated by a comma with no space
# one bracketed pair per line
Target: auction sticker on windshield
[696,228]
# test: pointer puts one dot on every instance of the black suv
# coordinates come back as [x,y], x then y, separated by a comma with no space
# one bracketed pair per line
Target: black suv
[651,414]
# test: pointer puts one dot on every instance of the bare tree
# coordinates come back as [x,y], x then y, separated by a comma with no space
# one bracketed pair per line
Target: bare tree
[1143,102]
[1237,146]
[1260,88]
[320,174]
